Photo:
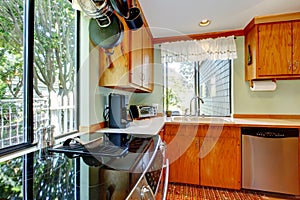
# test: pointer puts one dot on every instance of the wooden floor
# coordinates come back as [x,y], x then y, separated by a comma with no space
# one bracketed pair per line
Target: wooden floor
[192,192]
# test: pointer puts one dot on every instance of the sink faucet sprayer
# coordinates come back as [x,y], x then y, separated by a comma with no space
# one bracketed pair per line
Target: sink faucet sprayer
[197,108]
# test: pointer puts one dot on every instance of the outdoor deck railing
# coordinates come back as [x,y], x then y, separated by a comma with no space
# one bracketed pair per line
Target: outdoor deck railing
[11,119]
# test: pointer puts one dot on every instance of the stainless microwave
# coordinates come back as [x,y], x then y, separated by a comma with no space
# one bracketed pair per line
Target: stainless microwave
[143,111]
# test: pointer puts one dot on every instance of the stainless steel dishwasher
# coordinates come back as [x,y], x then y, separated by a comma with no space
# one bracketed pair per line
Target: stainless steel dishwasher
[270,160]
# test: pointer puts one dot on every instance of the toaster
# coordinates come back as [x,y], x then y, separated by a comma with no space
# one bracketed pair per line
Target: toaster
[143,111]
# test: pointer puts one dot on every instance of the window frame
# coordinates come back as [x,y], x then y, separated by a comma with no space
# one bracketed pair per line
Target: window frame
[230,63]
[197,81]
[28,91]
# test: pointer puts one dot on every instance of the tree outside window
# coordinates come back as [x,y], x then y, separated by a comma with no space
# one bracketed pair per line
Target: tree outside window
[54,68]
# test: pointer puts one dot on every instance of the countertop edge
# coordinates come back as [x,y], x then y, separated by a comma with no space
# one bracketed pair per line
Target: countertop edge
[152,126]
[244,122]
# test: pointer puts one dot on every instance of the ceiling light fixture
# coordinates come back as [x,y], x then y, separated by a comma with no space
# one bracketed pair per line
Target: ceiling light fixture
[204,22]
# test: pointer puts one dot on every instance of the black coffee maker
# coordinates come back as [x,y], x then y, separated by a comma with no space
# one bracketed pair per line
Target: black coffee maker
[119,115]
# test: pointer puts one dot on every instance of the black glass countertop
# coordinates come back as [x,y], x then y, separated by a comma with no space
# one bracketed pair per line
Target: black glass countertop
[59,176]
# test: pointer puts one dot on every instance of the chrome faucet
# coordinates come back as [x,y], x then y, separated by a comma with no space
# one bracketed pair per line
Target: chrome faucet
[197,110]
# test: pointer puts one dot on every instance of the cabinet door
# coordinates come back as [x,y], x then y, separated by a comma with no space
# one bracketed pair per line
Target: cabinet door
[221,167]
[182,151]
[172,153]
[113,70]
[274,49]
[296,48]
[136,61]
[147,60]
[189,161]
[184,166]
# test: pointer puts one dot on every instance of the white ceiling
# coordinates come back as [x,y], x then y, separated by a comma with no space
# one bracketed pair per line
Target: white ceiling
[180,17]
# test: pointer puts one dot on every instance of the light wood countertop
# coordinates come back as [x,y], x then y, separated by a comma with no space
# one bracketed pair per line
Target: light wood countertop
[242,122]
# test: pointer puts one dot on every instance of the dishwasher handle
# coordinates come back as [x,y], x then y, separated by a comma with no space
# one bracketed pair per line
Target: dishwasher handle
[270,132]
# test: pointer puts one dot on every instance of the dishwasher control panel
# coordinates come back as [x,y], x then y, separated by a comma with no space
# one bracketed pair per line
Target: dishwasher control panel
[270,132]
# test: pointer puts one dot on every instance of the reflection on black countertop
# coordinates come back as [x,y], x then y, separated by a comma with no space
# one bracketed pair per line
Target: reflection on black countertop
[58,177]
[53,177]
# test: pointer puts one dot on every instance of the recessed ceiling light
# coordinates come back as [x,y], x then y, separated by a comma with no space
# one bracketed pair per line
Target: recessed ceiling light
[204,22]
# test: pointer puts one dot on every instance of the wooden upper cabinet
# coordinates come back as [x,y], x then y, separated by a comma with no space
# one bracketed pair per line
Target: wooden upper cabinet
[136,57]
[141,67]
[275,49]
[296,47]
[272,47]
[148,59]
[130,68]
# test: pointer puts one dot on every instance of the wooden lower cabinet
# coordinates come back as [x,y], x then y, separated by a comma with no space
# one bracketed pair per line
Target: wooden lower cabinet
[221,166]
[204,155]
[182,152]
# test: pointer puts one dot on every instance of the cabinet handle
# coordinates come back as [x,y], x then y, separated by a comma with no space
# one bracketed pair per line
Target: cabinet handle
[123,54]
[296,65]
[142,76]
[290,65]
[249,55]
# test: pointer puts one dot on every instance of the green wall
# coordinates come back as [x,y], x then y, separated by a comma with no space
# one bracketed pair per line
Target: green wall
[284,100]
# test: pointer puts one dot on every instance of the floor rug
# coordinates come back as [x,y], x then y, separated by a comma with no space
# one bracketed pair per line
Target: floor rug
[191,192]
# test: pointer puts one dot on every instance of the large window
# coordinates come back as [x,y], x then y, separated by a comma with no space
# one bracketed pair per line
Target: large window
[11,72]
[209,80]
[54,65]
[37,69]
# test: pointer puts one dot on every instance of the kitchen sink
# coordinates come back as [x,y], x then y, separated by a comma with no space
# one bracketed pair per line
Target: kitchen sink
[201,119]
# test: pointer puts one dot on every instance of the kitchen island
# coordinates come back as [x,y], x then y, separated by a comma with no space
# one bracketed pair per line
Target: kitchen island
[48,174]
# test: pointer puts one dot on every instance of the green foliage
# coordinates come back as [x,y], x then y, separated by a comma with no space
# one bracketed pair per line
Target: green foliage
[52,178]
[10,113]
[172,98]
[3,87]
[11,179]
[54,56]
[11,47]
[180,85]
[54,41]
[54,47]
[187,71]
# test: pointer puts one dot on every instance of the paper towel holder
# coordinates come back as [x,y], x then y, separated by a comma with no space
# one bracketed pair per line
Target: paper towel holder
[252,84]
[251,81]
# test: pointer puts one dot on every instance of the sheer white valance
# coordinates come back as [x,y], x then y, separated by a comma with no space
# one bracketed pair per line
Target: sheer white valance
[221,48]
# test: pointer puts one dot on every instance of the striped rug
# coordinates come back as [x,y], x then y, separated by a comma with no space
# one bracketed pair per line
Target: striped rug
[191,192]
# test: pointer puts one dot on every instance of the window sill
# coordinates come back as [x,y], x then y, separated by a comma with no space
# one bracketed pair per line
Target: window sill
[16,151]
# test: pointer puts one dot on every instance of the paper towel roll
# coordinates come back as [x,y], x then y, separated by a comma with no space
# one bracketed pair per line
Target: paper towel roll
[263,85]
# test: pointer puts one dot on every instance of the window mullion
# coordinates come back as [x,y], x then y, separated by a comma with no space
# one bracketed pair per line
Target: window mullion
[197,79]
[28,96]
[28,70]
